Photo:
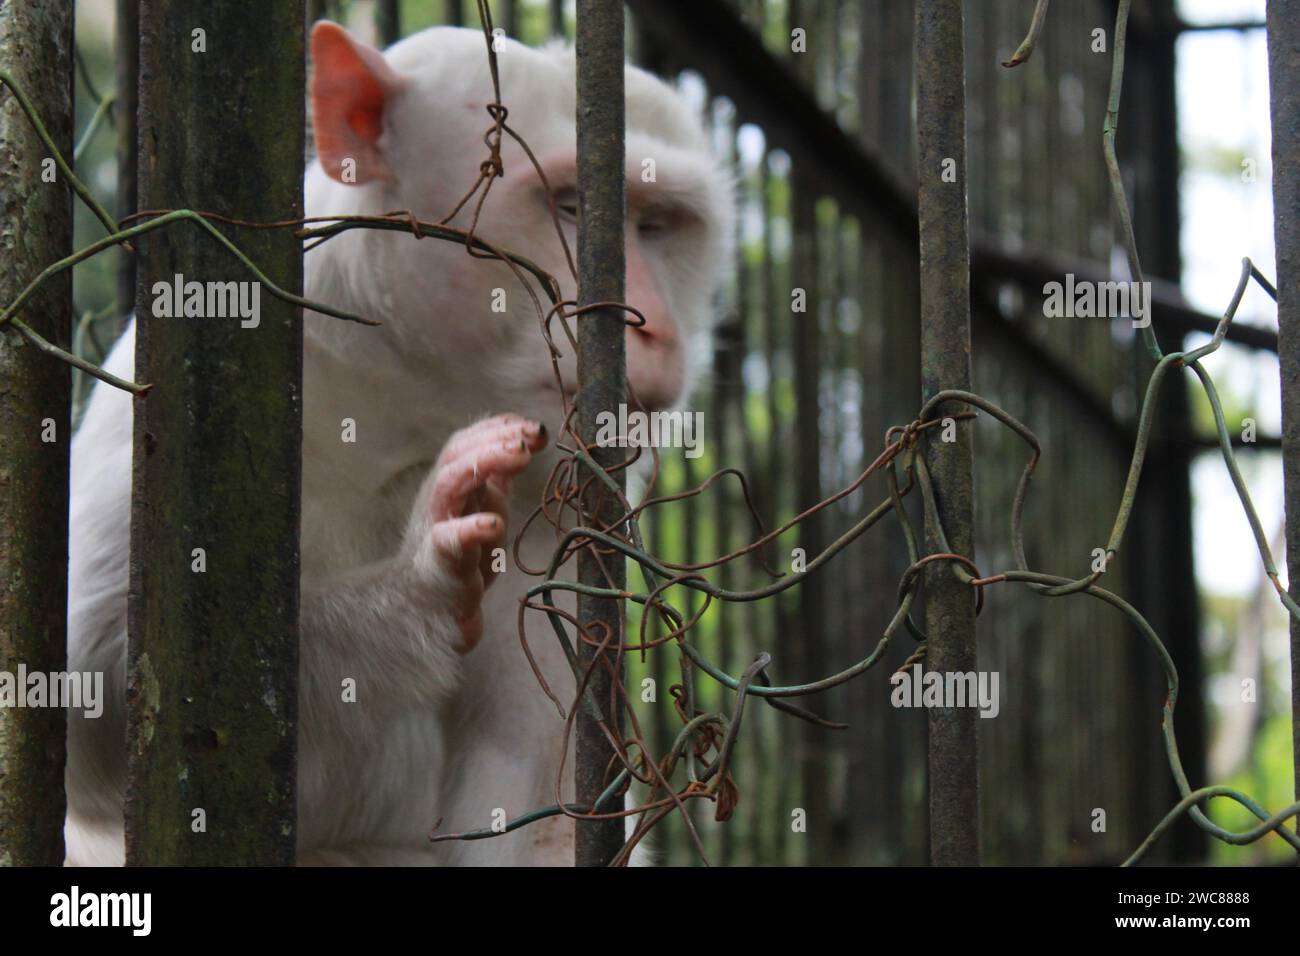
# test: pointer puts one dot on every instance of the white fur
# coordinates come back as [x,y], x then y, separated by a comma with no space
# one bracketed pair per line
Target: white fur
[434,734]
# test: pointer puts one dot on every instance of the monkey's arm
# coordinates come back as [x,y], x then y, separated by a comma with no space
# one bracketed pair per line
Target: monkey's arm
[377,642]
[387,639]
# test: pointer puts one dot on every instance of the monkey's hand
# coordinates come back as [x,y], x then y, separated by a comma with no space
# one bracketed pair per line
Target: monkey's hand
[460,513]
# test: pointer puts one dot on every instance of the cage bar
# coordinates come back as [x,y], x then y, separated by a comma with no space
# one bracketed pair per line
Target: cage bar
[35,428]
[1284,83]
[602,378]
[126,64]
[945,364]
[213,647]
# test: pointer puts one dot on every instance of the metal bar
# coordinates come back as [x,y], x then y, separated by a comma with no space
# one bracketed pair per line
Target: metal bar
[809,655]
[904,766]
[871,778]
[1284,82]
[945,364]
[602,379]
[726,519]
[749,311]
[808,649]
[1237,26]
[1153,151]
[36,49]
[388,21]
[126,74]
[212,657]
[1170,311]
[775,346]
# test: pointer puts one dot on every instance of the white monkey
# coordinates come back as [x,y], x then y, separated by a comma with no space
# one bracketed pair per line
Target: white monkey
[454,402]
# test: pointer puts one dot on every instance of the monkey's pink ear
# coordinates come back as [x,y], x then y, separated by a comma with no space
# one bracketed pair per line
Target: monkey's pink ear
[350,85]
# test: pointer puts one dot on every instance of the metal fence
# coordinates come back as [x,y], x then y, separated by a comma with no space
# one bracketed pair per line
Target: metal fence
[800,401]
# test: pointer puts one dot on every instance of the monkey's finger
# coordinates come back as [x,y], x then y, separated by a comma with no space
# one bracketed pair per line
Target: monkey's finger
[453,484]
[489,432]
[463,439]
[458,548]
[462,544]
[472,447]
[471,632]
[458,542]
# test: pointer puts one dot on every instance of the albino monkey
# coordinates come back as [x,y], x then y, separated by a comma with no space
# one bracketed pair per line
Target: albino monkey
[454,403]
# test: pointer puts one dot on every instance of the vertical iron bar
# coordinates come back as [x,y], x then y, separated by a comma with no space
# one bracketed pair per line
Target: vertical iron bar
[903,766]
[602,380]
[873,742]
[1284,82]
[388,21]
[810,630]
[126,77]
[36,49]
[810,656]
[1150,148]
[212,665]
[725,516]
[783,786]
[945,364]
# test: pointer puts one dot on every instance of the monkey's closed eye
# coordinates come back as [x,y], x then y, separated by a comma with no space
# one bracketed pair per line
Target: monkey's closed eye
[566,203]
[653,225]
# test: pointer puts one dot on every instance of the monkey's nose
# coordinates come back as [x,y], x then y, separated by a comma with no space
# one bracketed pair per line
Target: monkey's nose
[658,333]
[654,368]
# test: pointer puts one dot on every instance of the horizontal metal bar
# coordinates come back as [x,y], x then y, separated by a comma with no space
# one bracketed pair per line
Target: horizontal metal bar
[1171,312]
[1211,442]
[1238,25]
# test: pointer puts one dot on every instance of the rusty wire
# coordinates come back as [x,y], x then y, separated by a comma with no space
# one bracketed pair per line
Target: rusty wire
[705,744]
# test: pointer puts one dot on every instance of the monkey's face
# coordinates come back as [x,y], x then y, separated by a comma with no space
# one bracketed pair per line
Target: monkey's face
[673,246]
[471,321]
[678,222]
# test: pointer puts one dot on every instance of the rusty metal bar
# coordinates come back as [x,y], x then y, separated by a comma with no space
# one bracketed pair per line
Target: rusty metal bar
[36,50]
[212,644]
[945,364]
[1284,83]
[602,378]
